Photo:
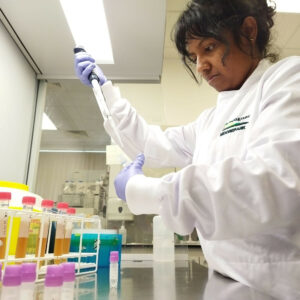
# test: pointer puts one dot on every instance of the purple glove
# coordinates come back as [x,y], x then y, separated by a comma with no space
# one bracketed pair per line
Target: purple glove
[84,65]
[122,178]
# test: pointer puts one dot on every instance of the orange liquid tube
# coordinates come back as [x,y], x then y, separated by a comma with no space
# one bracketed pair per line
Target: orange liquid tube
[23,237]
[28,203]
[5,197]
[66,247]
[59,240]
[2,247]
[3,228]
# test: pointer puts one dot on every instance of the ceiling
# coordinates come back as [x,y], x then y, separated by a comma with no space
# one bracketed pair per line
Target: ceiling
[136,29]
[140,33]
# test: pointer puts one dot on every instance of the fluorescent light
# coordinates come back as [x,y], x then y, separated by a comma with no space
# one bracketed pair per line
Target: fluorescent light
[88,25]
[47,124]
[288,6]
[72,151]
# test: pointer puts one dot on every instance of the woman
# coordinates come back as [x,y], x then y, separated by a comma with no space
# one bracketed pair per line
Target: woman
[239,183]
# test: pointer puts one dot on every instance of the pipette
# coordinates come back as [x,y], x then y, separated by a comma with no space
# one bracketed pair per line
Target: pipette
[93,78]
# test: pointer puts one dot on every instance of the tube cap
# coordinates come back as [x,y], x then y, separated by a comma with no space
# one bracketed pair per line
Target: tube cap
[69,271]
[28,272]
[71,211]
[47,203]
[12,275]
[5,196]
[28,200]
[54,275]
[114,256]
[62,205]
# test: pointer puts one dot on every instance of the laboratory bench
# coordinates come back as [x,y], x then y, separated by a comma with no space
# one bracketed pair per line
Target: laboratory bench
[148,280]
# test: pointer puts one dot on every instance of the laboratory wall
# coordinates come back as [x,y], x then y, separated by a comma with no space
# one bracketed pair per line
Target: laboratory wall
[56,168]
[177,100]
[17,102]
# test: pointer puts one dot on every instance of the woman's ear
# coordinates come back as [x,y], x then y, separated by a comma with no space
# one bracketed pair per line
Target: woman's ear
[249,29]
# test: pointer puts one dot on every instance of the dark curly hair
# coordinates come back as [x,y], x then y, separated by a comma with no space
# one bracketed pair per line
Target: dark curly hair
[211,18]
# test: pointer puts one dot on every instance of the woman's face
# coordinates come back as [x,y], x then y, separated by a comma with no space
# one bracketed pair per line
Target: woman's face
[207,54]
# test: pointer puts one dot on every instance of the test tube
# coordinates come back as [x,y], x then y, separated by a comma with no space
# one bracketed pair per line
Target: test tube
[5,197]
[28,203]
[68,231]
[53,282]
[28,280]
[46,208]
[11,283]
[68,280]
[60,230]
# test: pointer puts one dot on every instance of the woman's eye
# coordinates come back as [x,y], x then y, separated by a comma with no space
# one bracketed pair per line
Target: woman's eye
[210,47]
[193,59]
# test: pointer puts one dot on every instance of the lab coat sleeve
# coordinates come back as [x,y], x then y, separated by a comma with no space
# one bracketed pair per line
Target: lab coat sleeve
[171,148]
[238,196]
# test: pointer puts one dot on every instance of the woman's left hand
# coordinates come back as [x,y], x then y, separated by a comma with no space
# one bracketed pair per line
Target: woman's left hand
[135,168]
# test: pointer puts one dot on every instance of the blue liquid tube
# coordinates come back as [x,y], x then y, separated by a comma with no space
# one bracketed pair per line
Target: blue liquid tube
[113,269]
[53,282]
[28,279]
[11,283]
[68,280]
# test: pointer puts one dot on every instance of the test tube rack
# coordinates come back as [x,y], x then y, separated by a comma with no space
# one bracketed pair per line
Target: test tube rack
[82,268]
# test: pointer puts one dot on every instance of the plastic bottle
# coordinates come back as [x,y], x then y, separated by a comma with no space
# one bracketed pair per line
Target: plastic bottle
[163,241]
[113,269]
[68,231]
[5,197]
[68,280]
[123,231]
[28,203]
[46,208]
[28,271]
[60,230]
[11,283]
[53,282]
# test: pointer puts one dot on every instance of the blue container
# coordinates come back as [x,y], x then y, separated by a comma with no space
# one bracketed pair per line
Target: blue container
[108,242]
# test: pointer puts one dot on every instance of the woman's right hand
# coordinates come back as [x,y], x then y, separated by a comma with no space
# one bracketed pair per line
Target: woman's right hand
[84,65]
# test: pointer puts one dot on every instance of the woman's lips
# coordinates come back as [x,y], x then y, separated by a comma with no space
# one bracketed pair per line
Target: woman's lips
[211,78]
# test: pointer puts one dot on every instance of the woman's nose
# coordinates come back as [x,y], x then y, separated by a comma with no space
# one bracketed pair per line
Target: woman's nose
[202,65]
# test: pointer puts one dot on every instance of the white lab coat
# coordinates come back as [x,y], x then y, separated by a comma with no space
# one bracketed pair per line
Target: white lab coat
[239,183]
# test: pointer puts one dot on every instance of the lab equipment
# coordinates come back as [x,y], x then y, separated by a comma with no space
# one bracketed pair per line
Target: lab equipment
[122,178]
[46,208]
[28,277]
[163,241]
[94,80]
[11,283]
[113,269]
[53,282]
[5,197]
[68,280]
[28,203]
